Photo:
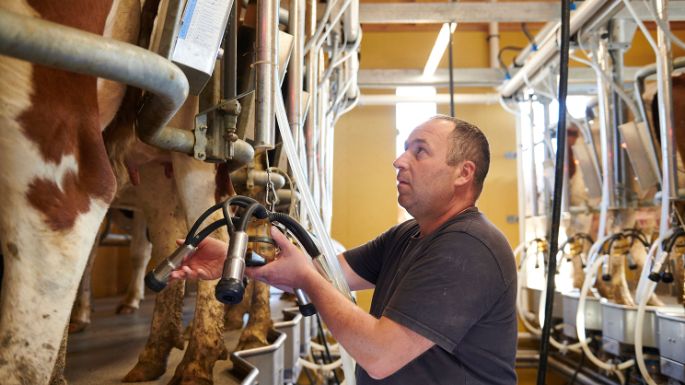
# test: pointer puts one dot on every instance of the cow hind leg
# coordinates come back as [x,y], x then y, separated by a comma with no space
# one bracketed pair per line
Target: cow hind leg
[80,313]
[157,197]
[140,250]
[254,334]
[60,364]
[196,187]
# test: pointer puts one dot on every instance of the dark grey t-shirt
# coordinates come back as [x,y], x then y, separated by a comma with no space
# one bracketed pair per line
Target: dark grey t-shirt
[456,287]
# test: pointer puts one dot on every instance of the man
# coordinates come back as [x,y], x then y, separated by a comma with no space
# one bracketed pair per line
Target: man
[443,309]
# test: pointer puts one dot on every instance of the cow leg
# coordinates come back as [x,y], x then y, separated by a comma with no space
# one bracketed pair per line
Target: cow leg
[157,197]
[140,250]
[80,313]
[254,334]
[47,218]
[196,188]
[58,370]
[233,320]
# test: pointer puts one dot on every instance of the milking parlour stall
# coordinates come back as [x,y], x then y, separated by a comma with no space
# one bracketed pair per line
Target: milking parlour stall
[135,135]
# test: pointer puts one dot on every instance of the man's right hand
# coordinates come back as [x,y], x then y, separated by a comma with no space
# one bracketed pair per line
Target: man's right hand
[207,262]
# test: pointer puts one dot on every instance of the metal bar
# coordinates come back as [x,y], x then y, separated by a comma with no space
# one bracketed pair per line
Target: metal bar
[230,58]
[606,133]
[69,49]
[548,49]
[669,184]
[618,115]
[451,72]
[380,100]
[511,12]
[467,77]
[265,68]
[435,13]
[296,66]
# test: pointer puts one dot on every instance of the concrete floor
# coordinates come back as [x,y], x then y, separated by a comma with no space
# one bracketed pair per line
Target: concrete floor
[109,347]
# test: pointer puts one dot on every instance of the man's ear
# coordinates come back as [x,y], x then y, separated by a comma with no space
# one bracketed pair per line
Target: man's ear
[466,172]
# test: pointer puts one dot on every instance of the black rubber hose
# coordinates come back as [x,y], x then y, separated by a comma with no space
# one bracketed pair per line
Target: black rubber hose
[219,223]
[298,231]
[558,185]
[198,222]
[251,210]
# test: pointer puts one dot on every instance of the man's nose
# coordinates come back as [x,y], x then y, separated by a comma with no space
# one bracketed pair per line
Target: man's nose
[399,162]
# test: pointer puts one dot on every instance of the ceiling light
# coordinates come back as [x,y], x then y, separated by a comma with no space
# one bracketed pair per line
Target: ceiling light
[439,49]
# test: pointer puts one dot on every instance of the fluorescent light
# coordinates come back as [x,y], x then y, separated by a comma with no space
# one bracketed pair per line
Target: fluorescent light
[438,49]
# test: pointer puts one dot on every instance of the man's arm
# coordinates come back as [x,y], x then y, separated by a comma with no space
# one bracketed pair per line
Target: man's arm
[354,281]
[380,346]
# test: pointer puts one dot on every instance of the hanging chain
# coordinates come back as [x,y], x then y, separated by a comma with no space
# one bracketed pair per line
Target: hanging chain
[270,189]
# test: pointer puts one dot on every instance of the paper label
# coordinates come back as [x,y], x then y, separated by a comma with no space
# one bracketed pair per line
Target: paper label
[202,29]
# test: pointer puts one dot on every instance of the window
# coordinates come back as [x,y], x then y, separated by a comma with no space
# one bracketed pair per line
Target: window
[408,115]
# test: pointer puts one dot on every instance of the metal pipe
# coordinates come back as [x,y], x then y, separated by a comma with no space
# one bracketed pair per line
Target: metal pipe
[318,43]
[451,72]
[618,118]
[259,178]
[669,185]
[265,70]
[350,51]
[379,100]
[535,209]
[584,376]
[314,37]
[493,42]
[296,66]
[69,49]
[230,59]
[351,22]
[606,134]
[549,48]
[172,22]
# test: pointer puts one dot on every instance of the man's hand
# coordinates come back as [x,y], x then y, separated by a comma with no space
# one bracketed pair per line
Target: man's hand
[206,263]
[290,269]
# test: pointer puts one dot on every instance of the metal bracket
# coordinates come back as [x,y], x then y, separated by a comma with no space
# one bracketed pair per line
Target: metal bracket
[200,132]
[215,132]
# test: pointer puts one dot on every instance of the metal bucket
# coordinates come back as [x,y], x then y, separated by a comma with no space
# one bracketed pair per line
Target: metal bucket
[618,323]
[290,325]
[266,361]
[671,334]
[593,313]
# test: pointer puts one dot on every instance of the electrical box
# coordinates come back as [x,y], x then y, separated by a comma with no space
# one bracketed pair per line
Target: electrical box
[199,37]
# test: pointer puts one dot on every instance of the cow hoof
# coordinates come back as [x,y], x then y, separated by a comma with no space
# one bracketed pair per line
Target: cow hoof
[77,326]
[144,371]
[189,381]
[126,309]
[233,323]
[224,353]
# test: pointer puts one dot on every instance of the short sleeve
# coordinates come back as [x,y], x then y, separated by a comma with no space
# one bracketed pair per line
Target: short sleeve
[366,260]
[450,287]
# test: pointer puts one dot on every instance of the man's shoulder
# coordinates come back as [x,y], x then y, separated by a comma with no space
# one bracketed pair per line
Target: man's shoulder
[482,237]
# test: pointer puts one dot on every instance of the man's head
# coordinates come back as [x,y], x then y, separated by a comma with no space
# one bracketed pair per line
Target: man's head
[467,142]
[443,167]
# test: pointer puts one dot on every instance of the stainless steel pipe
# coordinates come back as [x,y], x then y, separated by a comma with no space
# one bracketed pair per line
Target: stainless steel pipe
[296,68]
[607,133]
[265,72]
[669,175]
[57,46]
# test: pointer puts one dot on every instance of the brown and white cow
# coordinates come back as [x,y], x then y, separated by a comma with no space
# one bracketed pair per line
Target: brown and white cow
[56,183]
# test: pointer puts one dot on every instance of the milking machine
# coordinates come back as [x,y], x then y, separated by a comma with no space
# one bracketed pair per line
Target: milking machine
[636,343]
[231,286]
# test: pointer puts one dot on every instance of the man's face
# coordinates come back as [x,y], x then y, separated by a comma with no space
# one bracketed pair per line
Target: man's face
[425,182]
